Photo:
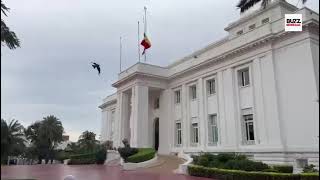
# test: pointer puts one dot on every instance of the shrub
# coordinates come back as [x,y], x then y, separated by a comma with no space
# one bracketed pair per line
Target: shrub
[101,156]
[270,170]
[62,155]
[89,158]
[224,157]
[229,161]
[144,154]
[83,156]
[310,169]
[126,151]
[246,165]
[81,161]
[226,174]
[283,168]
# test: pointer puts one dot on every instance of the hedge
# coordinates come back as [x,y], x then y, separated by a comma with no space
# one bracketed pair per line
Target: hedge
[83,156]
[226,174]
[144,154]
[81,161]
[89,158]
[283,168]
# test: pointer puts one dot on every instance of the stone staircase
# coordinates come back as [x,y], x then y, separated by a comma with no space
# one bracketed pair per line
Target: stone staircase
[165,164]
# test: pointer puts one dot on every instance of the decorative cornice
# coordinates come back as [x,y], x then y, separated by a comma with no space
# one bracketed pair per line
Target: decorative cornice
[134,75]
[104,105]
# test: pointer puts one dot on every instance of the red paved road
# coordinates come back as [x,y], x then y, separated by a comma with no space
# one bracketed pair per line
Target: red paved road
[84,172]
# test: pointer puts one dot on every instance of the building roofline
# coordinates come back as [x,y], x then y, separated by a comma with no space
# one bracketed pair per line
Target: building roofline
[260,11]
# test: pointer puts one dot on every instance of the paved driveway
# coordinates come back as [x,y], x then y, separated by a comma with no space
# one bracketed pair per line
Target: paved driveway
[85,172]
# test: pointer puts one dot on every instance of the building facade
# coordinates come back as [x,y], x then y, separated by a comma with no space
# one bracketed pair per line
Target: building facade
[255,92]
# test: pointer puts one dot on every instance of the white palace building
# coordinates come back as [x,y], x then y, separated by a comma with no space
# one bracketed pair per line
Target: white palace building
[255,91]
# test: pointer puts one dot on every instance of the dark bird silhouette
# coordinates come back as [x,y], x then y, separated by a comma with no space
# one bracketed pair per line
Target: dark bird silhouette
[96,66]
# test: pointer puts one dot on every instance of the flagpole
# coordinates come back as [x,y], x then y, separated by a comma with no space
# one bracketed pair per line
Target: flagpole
[120,53]
[145,29]
[139,41]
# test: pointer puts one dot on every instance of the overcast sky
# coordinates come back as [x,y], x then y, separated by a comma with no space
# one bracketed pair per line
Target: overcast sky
[50,74]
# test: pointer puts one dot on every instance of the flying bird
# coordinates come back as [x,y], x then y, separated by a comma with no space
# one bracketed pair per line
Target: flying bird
[96,66]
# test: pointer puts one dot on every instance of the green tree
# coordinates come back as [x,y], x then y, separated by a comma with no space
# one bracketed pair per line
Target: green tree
[45,135]
[12,139]
[8,37]
[246,4]
[87,141]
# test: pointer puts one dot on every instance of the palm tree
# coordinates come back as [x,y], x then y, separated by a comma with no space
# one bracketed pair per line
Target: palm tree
[12,139]
[52,131]
[8,37]
[45,135]
[246,4]
[87,141]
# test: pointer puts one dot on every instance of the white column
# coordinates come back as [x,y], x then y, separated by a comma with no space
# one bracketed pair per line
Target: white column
[202,125]
[165,123]
[117,132]
[270,120]
[184,120]
[140,131]
[221,115]
[125,117]
[231,120]
[259,102]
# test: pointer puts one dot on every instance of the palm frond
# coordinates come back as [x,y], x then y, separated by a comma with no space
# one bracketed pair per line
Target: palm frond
[246,4]
[9,37]
[4,9]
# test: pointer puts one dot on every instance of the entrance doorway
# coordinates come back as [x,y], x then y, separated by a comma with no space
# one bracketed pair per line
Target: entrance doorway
[156,134]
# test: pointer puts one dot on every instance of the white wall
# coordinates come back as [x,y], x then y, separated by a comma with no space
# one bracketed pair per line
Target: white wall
[297,94]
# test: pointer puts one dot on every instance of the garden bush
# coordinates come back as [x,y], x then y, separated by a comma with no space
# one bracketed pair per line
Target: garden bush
[89,158]
[62,155]
[101,156]
[226,174]
[81,161]
[126,151]
[245,165]
[229,161]
[283,168]
[144,154]
[310,169]
[83,156]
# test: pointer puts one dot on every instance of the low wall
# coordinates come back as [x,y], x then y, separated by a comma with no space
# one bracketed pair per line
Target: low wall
[183,168]
[112,155]
[132,166]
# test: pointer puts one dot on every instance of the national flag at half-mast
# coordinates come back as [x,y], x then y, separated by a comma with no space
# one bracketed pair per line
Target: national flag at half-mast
[145,43]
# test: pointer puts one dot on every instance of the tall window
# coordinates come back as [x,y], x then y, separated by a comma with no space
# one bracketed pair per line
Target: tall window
[178,137]
[177,97]
[212,129]
[248,128]
[211,86]
[193,92]
[244,77]
[194,133]
[157,103]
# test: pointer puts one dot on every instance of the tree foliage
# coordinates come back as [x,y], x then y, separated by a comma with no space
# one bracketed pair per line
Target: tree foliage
[87,141]
[8,37]
[12,141]
[45,135]
[244,5]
